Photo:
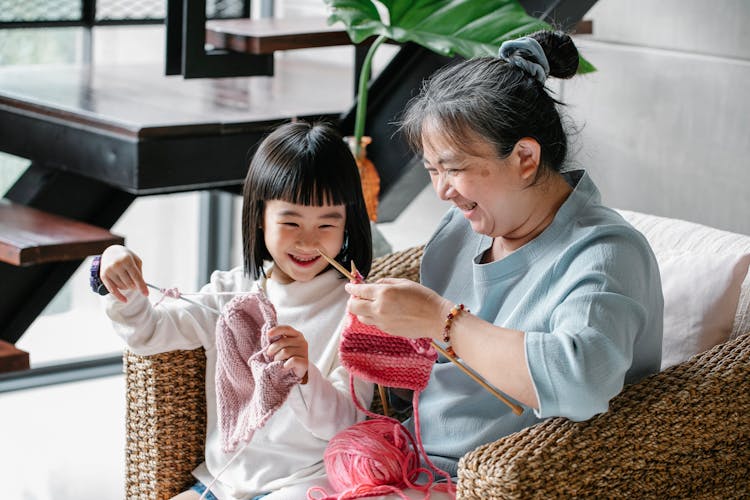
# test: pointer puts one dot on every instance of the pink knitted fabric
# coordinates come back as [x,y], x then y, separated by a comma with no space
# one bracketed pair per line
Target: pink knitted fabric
[371,354]
[360,464]
[250,385]
[376,356]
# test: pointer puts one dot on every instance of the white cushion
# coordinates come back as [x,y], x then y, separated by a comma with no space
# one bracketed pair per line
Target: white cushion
[701,292]
[700,266]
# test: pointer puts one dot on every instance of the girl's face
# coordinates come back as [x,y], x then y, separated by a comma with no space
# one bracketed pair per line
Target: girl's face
[293,234]
[489,191]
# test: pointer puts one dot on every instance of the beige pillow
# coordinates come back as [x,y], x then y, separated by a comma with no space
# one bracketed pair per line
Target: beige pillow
[701,292]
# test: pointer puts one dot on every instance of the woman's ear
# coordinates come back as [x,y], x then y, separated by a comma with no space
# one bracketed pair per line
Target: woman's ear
[527,153]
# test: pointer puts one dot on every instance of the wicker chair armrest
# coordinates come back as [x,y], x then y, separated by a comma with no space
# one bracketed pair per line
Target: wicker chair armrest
[682,433]
[402,264]
[165,422]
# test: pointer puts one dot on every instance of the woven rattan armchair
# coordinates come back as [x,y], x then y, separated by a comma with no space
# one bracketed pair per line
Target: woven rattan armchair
[682,433]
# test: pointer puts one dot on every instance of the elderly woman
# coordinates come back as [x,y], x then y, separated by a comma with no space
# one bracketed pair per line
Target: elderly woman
[547,294]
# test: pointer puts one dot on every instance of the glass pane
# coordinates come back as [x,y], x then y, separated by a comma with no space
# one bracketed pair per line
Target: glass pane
[130,9]
[39,45]
[40,10]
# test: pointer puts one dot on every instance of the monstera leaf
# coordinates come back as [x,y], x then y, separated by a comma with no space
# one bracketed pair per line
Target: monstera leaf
[469,28]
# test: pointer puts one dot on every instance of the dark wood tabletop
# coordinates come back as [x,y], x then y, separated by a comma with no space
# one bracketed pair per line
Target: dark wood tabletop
[143,132]
[265,36]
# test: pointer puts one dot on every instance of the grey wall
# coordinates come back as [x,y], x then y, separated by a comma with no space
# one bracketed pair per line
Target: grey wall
[665,121]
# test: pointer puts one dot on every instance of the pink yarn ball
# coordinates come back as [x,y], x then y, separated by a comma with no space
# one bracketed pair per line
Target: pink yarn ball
[369,454]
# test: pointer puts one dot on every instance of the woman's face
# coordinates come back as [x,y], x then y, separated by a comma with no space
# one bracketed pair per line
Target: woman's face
[293,234]
[489,191]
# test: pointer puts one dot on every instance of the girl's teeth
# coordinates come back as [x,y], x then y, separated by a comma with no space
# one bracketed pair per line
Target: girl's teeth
[304,260]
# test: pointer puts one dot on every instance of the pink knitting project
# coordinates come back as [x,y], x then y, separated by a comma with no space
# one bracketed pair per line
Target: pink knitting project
[373,355]
[250,385]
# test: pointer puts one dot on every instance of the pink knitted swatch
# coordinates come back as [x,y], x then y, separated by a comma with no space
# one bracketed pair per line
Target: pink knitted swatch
[250,385]
[376,356]
[379,357]
[373,355]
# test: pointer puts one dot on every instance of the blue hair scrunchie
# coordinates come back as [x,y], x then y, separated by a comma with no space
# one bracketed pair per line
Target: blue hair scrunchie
[527,54]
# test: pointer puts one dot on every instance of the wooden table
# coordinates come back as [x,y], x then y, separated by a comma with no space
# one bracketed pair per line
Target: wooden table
[265,36]
[100,136]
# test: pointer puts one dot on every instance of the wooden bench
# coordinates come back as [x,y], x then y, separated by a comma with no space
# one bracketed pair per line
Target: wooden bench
[267,35]
[12,358]
[29,236]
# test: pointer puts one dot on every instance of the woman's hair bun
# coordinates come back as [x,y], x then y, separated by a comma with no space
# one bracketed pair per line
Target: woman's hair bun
[561,52]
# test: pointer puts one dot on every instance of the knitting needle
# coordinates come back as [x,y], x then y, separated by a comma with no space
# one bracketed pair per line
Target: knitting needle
[204,306]
[335,264]
[516,409]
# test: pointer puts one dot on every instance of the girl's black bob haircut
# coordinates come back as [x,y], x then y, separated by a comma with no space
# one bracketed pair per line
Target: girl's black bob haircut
[308,164]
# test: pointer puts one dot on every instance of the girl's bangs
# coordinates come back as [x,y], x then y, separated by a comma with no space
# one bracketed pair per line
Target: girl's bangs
[310,187]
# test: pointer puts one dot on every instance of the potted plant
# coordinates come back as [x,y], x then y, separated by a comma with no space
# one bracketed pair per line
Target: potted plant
[469,28]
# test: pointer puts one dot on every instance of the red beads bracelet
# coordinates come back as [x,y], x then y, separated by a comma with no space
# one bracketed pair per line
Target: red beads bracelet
[455,311]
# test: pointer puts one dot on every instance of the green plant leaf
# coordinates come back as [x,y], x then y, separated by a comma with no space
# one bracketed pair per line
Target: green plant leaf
[470,28]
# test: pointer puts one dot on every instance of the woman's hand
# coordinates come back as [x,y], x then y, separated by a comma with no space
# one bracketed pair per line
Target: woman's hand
[291,348]
[400,307]
[121,269]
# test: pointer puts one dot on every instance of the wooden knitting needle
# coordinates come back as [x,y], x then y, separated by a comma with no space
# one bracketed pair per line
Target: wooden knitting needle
[338,266]
[516,409]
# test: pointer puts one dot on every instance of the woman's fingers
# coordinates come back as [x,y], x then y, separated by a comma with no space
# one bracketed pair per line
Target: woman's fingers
[361,291]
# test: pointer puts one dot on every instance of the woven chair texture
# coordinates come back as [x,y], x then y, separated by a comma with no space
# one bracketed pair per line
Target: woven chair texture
[682,433]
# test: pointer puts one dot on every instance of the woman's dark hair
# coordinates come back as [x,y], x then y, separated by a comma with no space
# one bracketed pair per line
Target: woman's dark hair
[499,101]
[308,164]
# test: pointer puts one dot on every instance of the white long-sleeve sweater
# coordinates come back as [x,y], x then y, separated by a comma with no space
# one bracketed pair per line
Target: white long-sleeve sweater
[289,449]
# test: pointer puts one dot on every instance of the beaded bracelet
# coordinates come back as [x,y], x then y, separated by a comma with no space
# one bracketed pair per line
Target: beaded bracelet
[455,311]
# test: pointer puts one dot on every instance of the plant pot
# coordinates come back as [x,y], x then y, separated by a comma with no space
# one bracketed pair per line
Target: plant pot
[368,175]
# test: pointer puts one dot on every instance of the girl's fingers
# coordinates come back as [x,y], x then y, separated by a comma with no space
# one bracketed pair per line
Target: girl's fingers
[286,353]
[283,330]
[298,366]
[114,289]
[136,280]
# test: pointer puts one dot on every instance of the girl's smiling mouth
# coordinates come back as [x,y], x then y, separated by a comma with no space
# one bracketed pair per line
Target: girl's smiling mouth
[304,261]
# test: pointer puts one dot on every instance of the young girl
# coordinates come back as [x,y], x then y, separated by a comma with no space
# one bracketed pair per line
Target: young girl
[302,193]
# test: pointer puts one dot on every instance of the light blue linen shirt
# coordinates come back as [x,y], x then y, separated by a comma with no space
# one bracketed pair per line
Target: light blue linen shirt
[586,292]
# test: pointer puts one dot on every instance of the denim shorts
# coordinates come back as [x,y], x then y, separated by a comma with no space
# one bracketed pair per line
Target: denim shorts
[200,488]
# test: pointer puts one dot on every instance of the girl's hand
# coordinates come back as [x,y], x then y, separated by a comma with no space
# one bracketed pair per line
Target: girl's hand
[399,307]
[121,269]
[291,348]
